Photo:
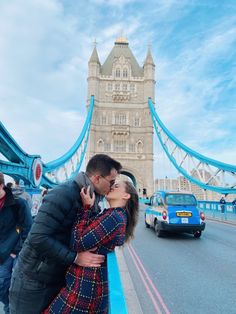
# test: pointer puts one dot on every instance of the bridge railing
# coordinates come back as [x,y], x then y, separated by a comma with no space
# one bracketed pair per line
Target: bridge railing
[214,209]
[117,303]
[144,200]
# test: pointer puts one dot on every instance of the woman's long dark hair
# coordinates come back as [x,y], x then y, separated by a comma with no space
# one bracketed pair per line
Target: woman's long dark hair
[132,208]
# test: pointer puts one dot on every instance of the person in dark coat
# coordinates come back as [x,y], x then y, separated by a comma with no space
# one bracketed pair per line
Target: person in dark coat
[223,208]
[222,204]
[40,271]
[15,223]
[18,190]
[234,206]
[86,289]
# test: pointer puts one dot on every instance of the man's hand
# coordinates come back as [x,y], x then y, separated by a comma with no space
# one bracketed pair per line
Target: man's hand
[89,259]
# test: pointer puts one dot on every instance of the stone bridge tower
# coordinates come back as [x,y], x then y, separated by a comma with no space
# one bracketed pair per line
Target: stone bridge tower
[121,125]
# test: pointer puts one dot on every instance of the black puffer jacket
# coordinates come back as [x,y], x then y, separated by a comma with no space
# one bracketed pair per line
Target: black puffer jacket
[46,253]
[14,215]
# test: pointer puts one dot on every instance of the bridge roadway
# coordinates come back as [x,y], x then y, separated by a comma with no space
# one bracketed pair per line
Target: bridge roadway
[182,275]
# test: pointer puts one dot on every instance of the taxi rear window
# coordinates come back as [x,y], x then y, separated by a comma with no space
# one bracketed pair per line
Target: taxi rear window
[180,199]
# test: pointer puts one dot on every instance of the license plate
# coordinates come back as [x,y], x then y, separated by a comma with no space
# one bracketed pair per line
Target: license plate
[184,220]
[184,214]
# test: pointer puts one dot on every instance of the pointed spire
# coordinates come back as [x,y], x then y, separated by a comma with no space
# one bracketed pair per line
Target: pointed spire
[94,55]
[149,59]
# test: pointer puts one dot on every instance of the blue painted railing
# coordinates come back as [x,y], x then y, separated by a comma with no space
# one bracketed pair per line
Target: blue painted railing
[143,200]
[117,304]
[213,209]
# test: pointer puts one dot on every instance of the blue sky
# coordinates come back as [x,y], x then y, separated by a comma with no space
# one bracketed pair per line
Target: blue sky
[45,46]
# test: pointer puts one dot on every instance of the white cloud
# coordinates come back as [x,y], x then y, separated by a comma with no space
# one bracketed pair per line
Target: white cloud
[186,89]
[114,3]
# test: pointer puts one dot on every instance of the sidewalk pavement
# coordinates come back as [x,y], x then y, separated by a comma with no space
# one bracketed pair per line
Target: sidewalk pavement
[229,218]
[131,297]
[219,219]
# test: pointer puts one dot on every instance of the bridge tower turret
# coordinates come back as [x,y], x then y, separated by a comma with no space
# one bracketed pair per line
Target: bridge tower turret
[121,125]
[149,76]
[94,69]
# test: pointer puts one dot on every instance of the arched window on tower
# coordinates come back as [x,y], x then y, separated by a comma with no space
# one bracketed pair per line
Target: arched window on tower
[118,72]
[100,145]
[125,73]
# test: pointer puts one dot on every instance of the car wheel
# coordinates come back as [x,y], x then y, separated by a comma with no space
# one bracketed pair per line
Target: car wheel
[158,231]
[197,234]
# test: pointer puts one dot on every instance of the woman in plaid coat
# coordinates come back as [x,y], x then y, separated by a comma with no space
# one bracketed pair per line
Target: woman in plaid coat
[86,289]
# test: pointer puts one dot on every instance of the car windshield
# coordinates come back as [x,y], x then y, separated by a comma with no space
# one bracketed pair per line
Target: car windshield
[180,199]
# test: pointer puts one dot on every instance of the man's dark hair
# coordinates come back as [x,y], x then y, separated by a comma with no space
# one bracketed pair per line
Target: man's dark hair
[9,185]
[102,164]
[2,181]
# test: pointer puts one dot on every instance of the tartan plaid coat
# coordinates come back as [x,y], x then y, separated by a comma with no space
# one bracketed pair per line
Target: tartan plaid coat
[86,289]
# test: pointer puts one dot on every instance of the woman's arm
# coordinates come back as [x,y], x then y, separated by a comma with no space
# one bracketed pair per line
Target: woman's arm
[108,227]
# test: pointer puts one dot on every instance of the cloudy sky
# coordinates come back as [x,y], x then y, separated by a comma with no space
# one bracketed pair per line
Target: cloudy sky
[45,46]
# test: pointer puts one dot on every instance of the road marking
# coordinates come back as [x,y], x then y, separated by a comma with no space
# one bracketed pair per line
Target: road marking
[141,268]
[156,306]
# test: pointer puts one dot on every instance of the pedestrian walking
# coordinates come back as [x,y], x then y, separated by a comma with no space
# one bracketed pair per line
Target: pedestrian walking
[18,190]
[40,271]
[234,206]
[223,209]
[15,223]
[86,289]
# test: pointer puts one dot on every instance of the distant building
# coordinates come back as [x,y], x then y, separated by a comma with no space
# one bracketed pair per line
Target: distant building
[200,193]
[166,184]
[181,183]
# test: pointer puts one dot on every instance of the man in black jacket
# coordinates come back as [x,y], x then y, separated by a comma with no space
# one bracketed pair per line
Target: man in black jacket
[40,271]
[15,223]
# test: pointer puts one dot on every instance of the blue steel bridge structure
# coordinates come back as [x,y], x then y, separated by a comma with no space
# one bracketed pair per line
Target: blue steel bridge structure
[34,172]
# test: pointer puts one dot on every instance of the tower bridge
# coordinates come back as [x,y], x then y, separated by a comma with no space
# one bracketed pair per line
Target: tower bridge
[122,122]
[121,125]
